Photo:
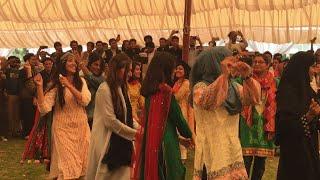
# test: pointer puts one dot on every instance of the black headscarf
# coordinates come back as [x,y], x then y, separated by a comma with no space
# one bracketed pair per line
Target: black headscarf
[294,92]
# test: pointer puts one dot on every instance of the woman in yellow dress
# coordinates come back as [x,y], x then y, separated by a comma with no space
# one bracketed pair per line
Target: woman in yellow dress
[181,92]
[134,85]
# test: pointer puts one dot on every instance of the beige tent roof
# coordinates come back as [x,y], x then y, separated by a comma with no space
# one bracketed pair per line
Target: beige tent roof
[30,23]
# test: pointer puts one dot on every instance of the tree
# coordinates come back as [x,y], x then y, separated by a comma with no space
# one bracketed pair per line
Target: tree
[19,52]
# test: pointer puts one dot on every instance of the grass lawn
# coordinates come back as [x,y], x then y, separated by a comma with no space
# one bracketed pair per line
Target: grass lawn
[10,168]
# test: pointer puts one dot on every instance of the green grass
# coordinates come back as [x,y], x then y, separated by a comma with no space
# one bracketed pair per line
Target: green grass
[269,174]
[10,168]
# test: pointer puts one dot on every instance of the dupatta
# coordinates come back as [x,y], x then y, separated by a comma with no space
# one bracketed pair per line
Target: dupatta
[267,84]
[148,140]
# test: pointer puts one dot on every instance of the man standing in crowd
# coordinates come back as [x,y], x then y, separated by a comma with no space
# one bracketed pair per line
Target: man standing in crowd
[194,51]
[90,47]
[100,50]
[149,50]
[74,46]
[147,39]
[164,47]
[3,103]
[47,72]
[59,52]
[27,90]
[11,68]
[134,49]
[114,50]
[175,49]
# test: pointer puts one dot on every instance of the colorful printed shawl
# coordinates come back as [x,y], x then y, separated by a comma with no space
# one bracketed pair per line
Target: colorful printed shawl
[267,84]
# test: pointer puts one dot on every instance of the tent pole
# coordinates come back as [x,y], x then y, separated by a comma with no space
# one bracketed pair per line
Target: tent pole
[186,30]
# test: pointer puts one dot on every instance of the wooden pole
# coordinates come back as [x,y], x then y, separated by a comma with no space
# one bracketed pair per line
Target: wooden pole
[186,30]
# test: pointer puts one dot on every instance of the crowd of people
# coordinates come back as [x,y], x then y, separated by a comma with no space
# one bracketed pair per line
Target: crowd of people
[135,112]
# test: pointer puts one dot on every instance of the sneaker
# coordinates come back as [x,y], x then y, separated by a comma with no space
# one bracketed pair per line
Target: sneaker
[36,161]
[4,139]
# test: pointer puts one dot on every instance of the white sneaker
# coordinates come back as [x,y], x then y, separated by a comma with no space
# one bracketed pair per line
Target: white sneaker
[3,139]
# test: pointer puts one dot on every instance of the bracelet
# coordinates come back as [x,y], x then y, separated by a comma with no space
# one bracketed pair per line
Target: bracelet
[305,124]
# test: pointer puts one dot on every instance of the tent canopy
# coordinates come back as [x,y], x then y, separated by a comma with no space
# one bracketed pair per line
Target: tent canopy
[41,22]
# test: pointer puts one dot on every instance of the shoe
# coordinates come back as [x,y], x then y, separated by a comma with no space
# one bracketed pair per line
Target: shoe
[4,139]
[36,161]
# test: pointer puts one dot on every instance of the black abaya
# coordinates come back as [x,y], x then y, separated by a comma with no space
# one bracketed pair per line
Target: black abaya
[299,153]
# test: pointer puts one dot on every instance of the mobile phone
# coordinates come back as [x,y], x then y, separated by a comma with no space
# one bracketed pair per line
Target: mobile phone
[118,38]
[43,47]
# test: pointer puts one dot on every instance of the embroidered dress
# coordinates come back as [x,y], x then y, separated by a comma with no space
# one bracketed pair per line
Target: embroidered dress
[217,101]
[258,120]
[136,99]
[70,134]
[218,146]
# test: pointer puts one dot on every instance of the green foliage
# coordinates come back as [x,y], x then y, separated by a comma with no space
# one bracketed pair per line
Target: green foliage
[19,52]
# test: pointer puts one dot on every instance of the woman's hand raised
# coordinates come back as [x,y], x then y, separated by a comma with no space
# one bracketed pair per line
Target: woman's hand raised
[38,80]
[314,110]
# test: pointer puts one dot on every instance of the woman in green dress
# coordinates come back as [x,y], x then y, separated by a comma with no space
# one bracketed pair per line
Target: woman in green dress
[257,124]
[158,154]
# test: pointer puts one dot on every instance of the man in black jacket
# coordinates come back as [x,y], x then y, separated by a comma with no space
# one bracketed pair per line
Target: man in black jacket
[113,50]
[27,92]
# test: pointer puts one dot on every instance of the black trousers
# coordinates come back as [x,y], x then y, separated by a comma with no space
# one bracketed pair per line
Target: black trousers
[4,124]
[258,166]
[27,113]
[204,173]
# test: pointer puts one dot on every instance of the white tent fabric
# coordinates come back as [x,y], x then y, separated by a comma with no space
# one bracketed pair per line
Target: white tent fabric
[30,23]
